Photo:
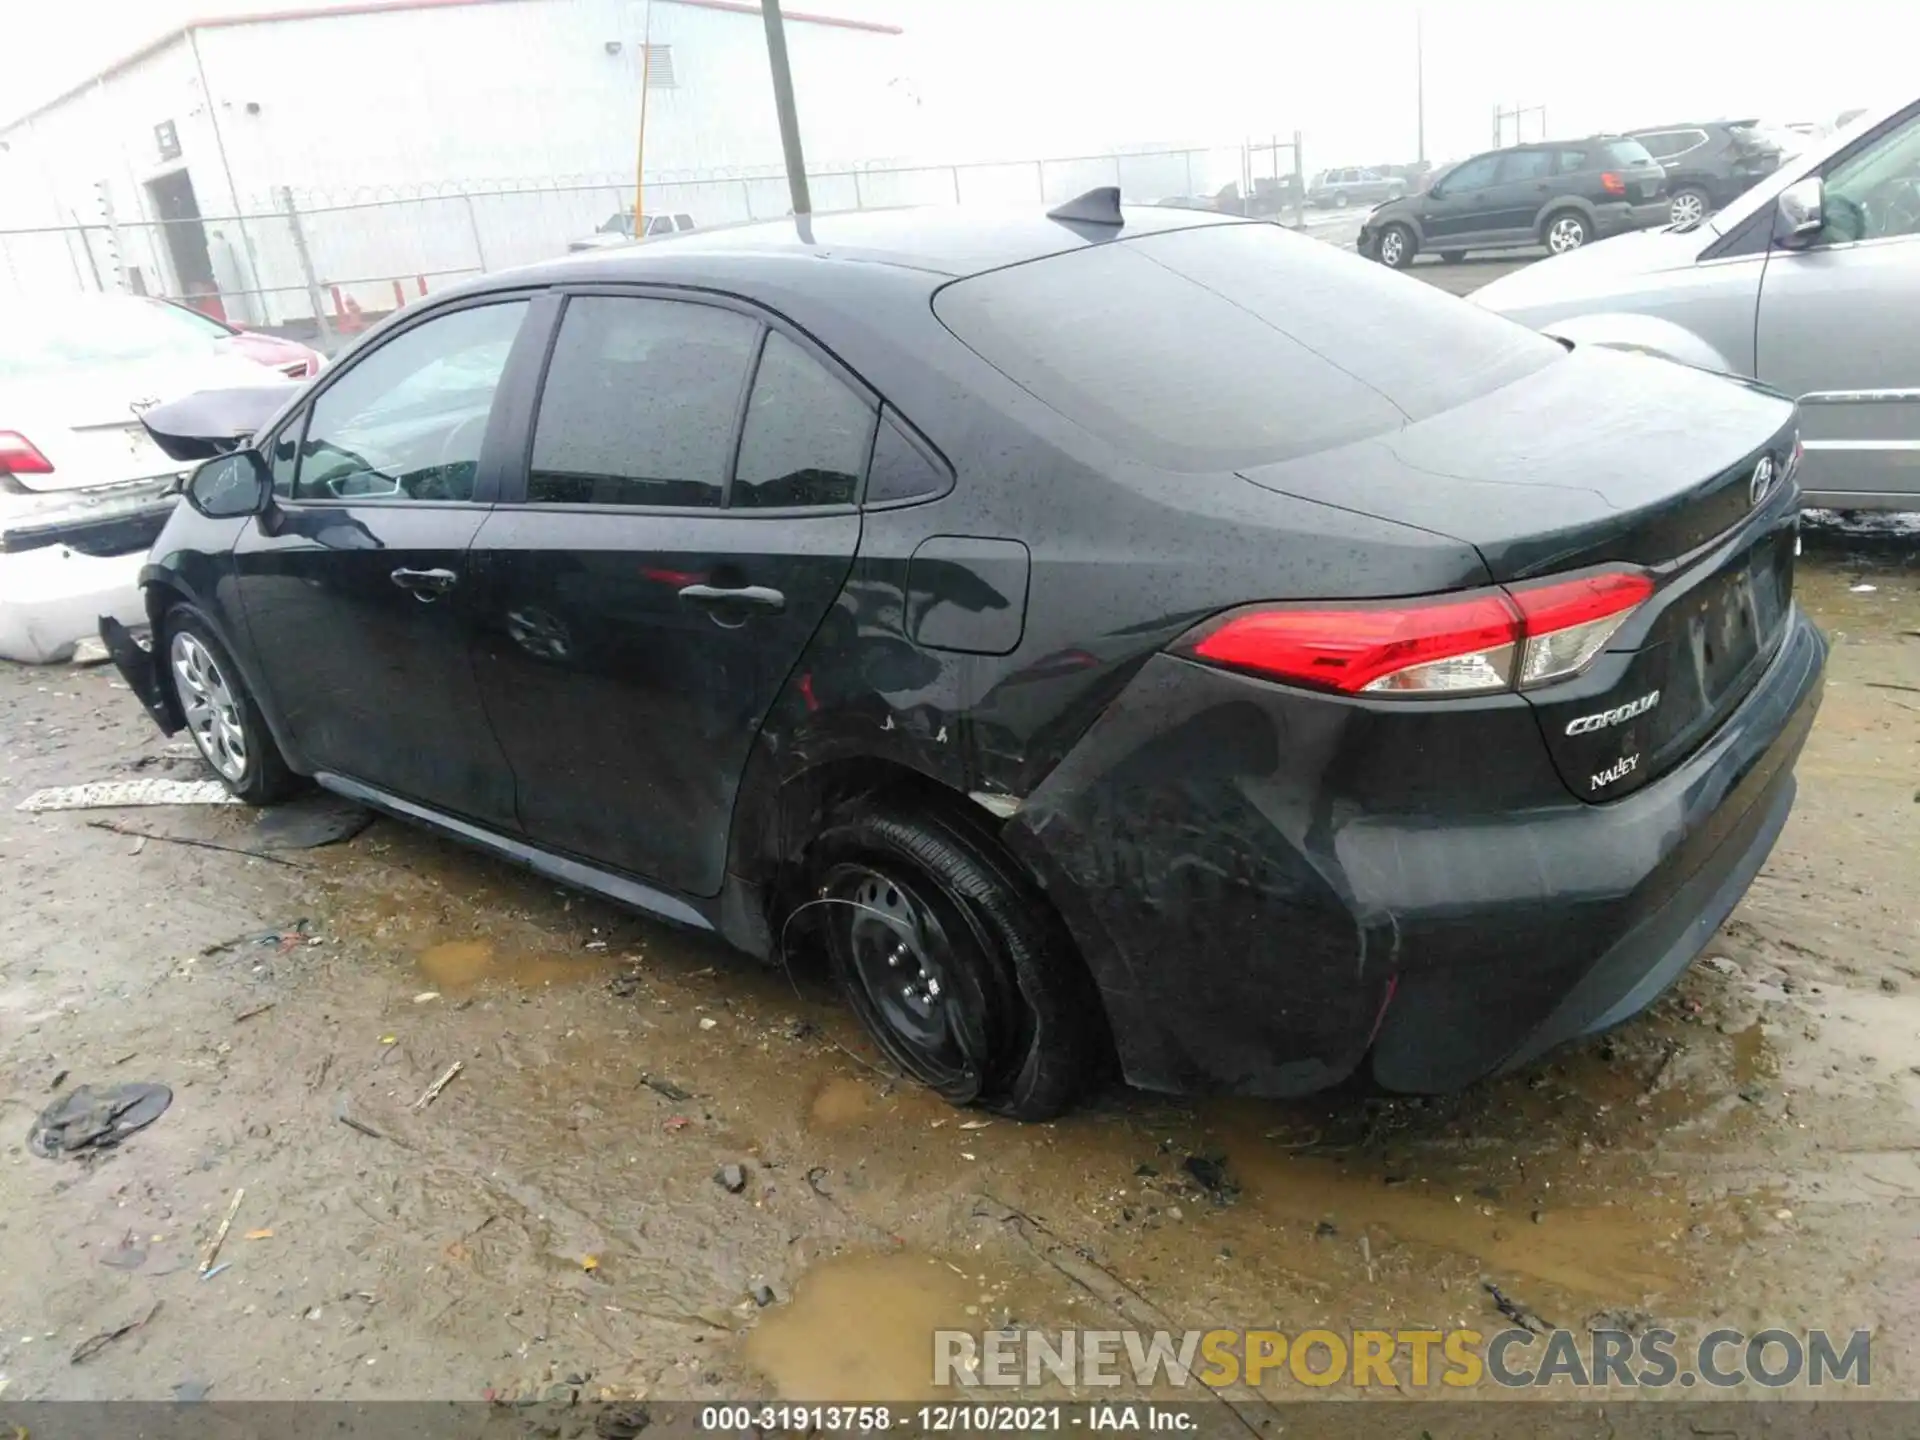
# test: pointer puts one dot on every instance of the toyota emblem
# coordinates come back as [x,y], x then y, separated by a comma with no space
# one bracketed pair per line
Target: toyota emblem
[143,404]
[1761,482]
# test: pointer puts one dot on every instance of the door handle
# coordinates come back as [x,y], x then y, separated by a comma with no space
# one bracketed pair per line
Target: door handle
[426,585]
[742,597]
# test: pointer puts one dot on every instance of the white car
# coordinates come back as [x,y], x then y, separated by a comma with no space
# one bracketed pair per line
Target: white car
[1809,283]
[617,229]
[83,488]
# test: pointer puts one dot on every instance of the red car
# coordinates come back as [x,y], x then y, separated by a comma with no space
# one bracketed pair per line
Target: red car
[289,357]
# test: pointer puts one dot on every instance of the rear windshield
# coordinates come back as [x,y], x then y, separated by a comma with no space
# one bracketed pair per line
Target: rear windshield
[1628,152]
[1229,346]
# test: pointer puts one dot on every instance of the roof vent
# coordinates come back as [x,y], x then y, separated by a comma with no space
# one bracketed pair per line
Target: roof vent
[1099,206]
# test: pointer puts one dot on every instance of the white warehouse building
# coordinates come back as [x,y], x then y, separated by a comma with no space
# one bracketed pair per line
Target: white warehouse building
[342,160]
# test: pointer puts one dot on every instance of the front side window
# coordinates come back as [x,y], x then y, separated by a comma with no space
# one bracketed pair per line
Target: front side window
[807,436]
[1474,174]
[407,420]
[1874,193]
[640,403]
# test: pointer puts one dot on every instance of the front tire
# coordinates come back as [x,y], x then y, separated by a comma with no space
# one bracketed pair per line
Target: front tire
[1398,247]
[222,717]
[1565,231]
[954,962]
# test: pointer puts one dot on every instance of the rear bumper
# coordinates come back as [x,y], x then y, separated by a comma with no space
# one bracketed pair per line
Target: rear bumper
[1622,218]
[1273,889]
[53,596]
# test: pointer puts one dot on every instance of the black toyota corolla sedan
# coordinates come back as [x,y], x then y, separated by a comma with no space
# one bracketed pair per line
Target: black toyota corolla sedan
[1134,635]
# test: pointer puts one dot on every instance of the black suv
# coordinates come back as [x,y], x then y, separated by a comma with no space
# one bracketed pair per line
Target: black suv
[1708,165]
[1559,193]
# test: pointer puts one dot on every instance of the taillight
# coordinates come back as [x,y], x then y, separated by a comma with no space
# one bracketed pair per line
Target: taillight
[1476,643]
[1612,183]
[19,455]
[1568,622]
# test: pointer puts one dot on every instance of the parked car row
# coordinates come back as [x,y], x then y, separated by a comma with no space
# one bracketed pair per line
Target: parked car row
[1559,194]
[1703,166]
[1810,282]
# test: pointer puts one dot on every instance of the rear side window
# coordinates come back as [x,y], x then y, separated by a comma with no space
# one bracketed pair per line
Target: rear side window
[1628,152]
[807,435]
[1518,165]
[640,403]
[1229,346]
[1570,162]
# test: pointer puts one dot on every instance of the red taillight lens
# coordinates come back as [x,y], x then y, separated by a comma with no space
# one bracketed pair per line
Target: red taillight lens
[1568,622]
[19,456]
[1612,183]
[1472,644]
[1453,646]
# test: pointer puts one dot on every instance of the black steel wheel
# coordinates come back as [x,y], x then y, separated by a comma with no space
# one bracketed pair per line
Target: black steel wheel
[954,962]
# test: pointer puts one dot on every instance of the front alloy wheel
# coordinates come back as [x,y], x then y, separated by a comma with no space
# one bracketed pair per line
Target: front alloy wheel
[1569,232]
[225,723]
[211,709]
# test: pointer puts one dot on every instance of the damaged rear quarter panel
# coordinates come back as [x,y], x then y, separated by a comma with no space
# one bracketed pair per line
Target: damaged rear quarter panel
[1225,849]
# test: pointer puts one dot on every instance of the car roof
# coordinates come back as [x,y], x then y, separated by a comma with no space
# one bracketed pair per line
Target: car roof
[946,241]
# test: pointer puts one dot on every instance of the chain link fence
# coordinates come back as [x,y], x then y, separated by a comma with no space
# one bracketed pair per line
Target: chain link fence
[321,266]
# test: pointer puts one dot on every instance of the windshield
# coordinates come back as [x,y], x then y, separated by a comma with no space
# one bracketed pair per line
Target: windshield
[98,330]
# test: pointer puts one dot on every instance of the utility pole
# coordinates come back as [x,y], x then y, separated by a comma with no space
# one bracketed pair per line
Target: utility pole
[640,143]
[783,103]
[1420,87]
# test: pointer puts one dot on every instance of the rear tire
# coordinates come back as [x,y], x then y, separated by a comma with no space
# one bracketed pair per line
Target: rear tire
[1564,231]
[954,962]
[222,716]
[1690,203]
[1398,247]
[1453,257]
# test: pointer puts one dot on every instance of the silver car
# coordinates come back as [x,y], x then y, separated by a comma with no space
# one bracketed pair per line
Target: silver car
[1809,282]
[1337,189]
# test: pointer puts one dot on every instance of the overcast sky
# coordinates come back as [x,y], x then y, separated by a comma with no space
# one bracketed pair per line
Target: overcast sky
[1006,78]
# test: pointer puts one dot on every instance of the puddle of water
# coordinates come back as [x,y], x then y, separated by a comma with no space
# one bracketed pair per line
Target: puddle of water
[459,964]
[860,1327]
[1597,1250]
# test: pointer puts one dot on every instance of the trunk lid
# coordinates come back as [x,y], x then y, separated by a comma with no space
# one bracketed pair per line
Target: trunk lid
[1607,460]
[86,422]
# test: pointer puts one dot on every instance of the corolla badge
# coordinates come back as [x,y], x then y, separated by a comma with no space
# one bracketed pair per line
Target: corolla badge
[1762,481]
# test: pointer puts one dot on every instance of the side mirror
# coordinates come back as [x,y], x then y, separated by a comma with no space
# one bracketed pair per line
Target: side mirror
[230,486]
[1800,212]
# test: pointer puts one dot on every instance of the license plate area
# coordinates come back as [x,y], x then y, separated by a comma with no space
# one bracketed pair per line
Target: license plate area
[1639,712]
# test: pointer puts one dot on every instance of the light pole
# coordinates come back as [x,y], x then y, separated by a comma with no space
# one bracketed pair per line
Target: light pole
[783,103]
[1420,86]
[640,145]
